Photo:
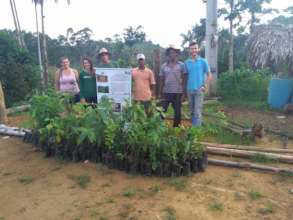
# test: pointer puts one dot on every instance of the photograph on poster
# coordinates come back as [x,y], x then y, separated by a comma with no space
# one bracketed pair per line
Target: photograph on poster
[102,78]
[103,89]
[117,107]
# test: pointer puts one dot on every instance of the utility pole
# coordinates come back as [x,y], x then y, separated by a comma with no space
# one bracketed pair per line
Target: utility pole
[211,46]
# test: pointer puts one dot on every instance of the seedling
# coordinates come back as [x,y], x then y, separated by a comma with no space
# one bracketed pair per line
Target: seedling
[268,209]
[127,206]
[109,200]
[170,213]
[179,184]
[81,180]
[155,189]
[26,180]
[254,195]
[129,192]
[216,206]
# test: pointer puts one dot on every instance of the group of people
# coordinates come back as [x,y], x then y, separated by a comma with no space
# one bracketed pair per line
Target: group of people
[178,81]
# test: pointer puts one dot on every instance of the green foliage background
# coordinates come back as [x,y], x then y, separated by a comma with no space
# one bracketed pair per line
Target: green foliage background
[18,73]
[244,85]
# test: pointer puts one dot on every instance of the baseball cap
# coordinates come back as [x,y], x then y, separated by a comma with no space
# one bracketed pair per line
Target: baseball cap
[140,56]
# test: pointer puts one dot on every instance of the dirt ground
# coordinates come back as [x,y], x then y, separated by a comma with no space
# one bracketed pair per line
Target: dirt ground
[35,187]
[274,120]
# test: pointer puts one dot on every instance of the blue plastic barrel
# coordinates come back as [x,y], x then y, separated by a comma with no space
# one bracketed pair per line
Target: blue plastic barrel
[280,91]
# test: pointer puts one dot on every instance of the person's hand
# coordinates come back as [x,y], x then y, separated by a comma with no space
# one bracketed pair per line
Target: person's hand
[183,98]
[202,89]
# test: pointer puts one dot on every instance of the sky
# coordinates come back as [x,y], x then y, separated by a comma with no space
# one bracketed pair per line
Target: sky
[163,20]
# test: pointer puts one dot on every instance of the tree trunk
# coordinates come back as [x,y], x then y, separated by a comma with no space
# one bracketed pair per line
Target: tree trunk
[3,116]
[45,55]
[252,24]
[15,24]
[246,165]
[211,46]
[231,41]
[249,148]
[18,24]
[39,46]
[248,154]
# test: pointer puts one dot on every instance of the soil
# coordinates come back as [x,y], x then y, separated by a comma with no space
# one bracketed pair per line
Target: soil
[274,120]
[35,187]
[51,192]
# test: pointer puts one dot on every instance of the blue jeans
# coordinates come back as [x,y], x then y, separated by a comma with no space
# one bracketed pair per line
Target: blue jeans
[195,100]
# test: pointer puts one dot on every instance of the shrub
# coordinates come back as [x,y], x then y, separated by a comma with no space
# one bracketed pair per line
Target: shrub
[139,141]
[18,73]
[244,85]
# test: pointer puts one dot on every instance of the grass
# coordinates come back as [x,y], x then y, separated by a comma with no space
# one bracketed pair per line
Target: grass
[179,184]
[285,177]
[268,209]
[26,180]
[227,137]
[216,206]
[155,189]
[263,106]
[255,195]
[81,180]
[109,200]
[129,192]
[170,213]
[260,158]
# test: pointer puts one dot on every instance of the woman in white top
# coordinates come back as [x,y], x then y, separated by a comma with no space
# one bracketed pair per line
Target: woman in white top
[66,79]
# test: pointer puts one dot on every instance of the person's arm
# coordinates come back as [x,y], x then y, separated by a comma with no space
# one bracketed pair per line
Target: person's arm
[76,75]
[184,80]
[152,83]
[208,76]
[81,87]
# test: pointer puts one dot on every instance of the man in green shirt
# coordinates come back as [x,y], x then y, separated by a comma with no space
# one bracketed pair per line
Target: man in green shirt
[104,59]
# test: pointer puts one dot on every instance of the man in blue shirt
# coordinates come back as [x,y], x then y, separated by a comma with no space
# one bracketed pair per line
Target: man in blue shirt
[198,74]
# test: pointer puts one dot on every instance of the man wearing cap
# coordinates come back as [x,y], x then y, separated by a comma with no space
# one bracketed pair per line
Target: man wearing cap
[198,75]
[172,79]
[104,59]
[144,82]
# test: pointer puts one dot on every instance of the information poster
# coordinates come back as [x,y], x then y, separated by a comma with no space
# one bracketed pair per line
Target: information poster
[115,83]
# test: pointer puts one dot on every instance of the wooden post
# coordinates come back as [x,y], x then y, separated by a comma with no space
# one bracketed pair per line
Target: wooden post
[157,67]
[3,116]
[211,46]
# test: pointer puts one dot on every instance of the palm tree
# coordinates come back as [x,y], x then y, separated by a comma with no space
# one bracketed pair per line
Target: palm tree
[271,44]
[16,24]
[39,45]
[44,41]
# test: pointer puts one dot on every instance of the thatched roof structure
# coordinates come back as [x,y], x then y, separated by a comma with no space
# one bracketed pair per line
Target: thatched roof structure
[271,44]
